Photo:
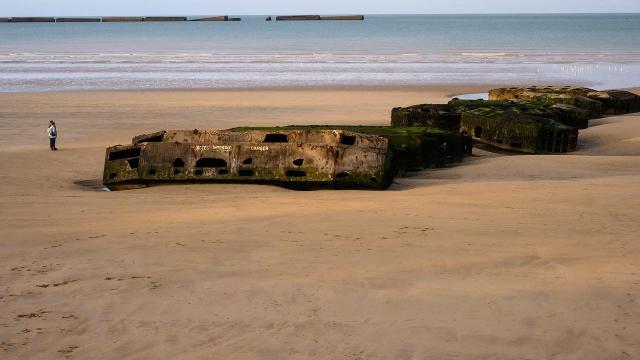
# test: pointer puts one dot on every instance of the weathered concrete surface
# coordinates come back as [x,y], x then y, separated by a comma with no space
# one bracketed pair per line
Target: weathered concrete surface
[4,20]
[511,130]
[413,148]
[289,158]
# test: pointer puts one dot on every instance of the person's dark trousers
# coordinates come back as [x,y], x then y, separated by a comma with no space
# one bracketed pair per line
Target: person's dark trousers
[52,143]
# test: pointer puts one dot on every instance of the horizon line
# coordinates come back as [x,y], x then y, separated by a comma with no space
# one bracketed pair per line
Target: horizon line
[365,14]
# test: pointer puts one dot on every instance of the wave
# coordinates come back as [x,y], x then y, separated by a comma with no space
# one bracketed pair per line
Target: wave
[302,58]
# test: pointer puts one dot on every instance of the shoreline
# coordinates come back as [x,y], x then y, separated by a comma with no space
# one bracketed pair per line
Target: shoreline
[454,89]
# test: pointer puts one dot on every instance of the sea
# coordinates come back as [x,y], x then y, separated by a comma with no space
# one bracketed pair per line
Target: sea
[596,50]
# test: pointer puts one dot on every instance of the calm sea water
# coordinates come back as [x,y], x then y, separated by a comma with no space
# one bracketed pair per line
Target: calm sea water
[602,51]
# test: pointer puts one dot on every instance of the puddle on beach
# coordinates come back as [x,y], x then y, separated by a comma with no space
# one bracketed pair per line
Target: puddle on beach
[474,96]
[91,185]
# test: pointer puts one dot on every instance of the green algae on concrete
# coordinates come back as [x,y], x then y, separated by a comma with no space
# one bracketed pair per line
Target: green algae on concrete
[609,102]
[616,102]
[440,116]
[448,116]
[511,130]
[566,114]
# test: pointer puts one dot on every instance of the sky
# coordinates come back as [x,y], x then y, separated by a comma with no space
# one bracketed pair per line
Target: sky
[278,7]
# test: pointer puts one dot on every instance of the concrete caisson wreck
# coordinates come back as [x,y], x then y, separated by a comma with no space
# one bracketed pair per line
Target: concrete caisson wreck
[606,102]
[300,157]
[534,119]
[511,130]
[448,116]
[292,158]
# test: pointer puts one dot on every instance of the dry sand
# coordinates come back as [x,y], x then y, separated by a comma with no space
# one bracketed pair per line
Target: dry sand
[502,257]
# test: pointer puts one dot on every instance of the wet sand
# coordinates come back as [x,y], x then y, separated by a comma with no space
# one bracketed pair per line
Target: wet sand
[500,257]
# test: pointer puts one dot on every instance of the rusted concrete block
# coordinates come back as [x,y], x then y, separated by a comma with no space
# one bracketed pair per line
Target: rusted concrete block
[290,158]
[512,130]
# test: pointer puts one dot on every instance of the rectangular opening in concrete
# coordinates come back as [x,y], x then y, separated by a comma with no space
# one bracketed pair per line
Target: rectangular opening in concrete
[211,163]
[123,154]
[133,163]
[348,140]
[276,138]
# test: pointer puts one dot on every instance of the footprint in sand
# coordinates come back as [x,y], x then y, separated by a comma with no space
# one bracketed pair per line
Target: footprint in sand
[36,314]
[66,282]
[68,351]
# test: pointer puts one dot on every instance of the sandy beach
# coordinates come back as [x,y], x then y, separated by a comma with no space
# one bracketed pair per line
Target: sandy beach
[500,257]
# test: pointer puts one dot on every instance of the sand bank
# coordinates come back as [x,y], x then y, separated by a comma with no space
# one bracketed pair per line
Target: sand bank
[502,257]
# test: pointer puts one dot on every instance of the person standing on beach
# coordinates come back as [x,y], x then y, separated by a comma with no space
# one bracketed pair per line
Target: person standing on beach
[52,131]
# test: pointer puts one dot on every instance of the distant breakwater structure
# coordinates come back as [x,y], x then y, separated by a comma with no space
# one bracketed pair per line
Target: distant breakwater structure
[114,19]
[167,18]
[317,17]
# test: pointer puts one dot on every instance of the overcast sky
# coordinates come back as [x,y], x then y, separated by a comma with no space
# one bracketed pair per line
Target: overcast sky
[273,7]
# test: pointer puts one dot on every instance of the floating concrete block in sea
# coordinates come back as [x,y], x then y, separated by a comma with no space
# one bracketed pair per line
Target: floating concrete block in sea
[32,19]
[4,20]
[345,17]
[122,19]
[318,17]
[165,18]
[297,17]
[75,20]
[212,18]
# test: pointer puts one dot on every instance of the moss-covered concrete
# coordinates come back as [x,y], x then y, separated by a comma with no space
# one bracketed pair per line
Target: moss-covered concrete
[597,102]
[512,130]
